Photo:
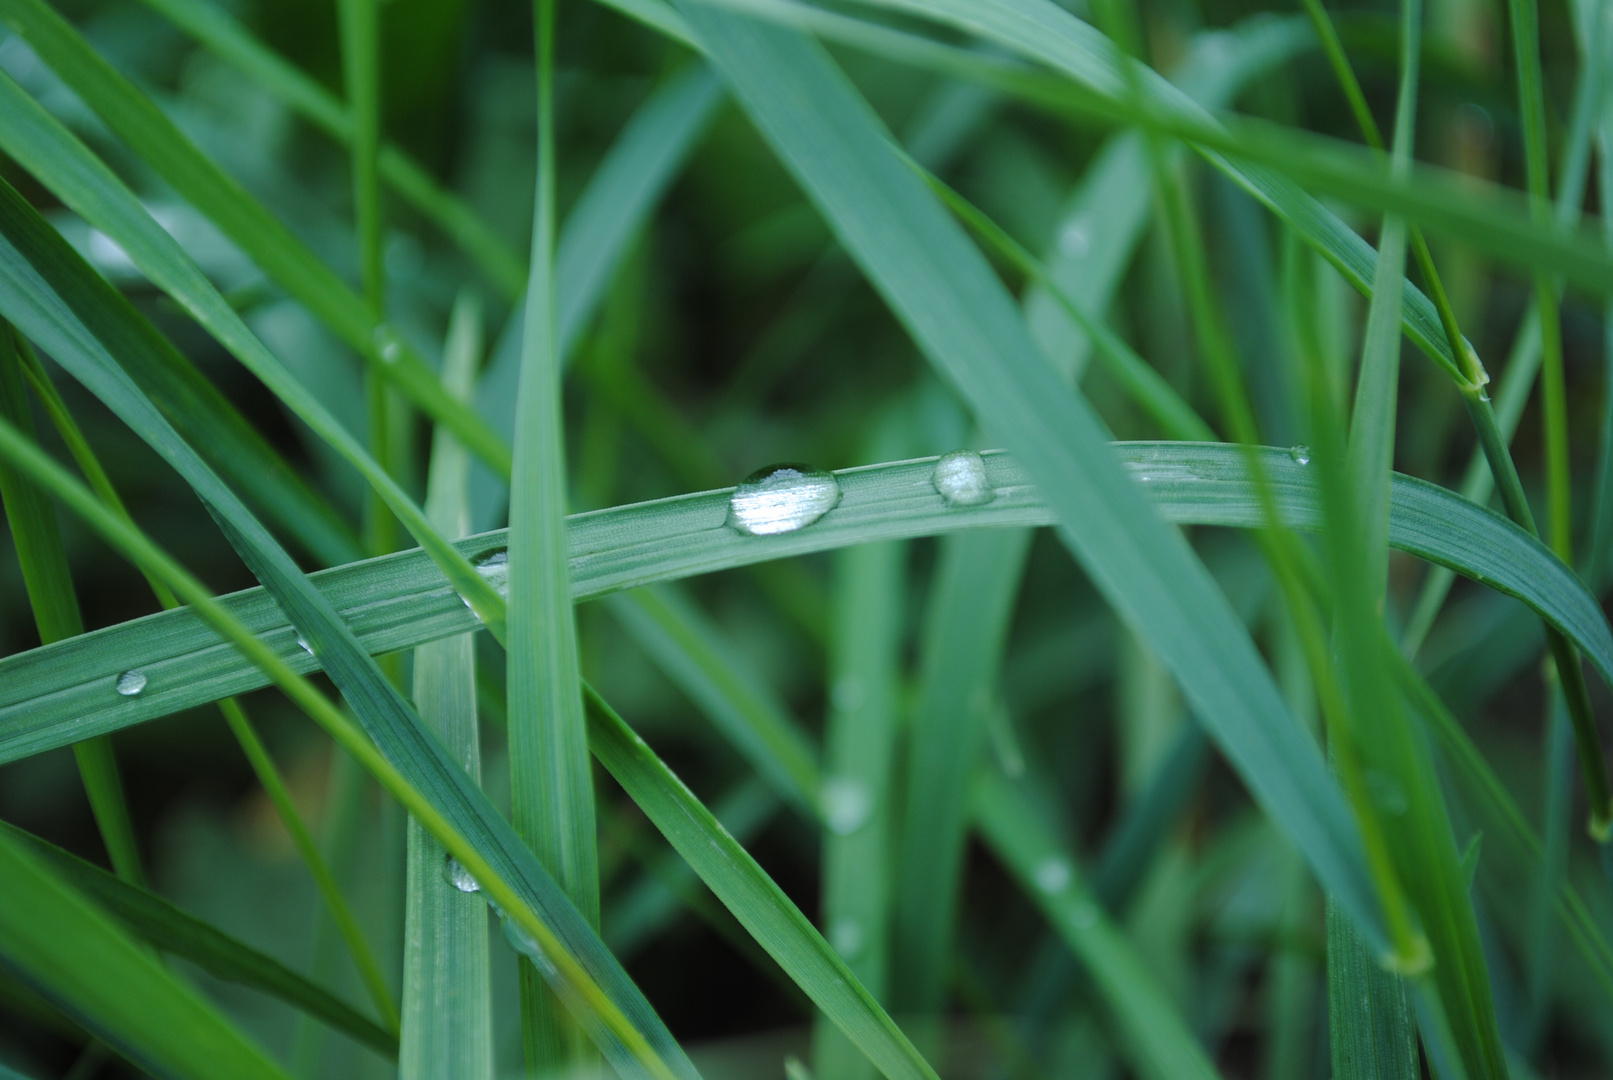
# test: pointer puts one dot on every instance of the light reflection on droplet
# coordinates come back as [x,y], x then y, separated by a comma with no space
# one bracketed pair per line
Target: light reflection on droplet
[781,499]
[132,683]
[961,479]
[846,804]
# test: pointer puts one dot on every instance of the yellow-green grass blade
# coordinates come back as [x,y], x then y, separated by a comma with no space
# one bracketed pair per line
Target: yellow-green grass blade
[865,683]
[48,581]
[160,144]
[551,777]
[965,634]
[962,319]
[173,931]
[681,641]
[222,34]
[31,134]
[70,951]
[596,990]
[1160,1043]
[54,695]
[759,904]
[447,994]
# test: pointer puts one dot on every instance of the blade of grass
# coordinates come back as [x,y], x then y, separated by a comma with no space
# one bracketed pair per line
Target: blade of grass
[867,607]
[551,782]
[29,133]
[545,923]
[48,581]
[69,950]
[218,31]
[447,1028]
[158,141]
[50,696]
[742,885]
[173,931]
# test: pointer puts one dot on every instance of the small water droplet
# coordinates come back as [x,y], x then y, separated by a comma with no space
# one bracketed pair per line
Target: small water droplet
[527,945]
[846,804]
[960,477]
[388,345]
[1075,240]
[1300,453]
[495,570]
[1053,874]
[456,875]
[781,499]
[846,938]
[302,643]
[131,683]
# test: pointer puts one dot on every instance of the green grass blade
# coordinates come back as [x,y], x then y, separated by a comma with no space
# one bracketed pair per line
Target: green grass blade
[867,609]
[1369,1023]
[173,931]
[158,142]
[692,653]
[48,581]
[52,696]
[965,635]
[747,891]
[414,768]
[447,996]
[71,952]
[964,322]
[1159,1043]
[95,304]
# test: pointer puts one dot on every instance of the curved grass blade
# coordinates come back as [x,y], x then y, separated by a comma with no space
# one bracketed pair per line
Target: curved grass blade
[173,931]
[220,32]
[76,295]
[67,949]
[54,695]
[761,907]
[413,768]
[286,260]
[962,319]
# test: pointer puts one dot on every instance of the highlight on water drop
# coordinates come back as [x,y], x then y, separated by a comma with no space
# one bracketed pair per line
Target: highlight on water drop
[454,872]
[961,479]
[1300,453]
[131,683]
[782,499]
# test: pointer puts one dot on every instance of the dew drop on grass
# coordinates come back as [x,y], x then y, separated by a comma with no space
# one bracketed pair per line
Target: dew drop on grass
[302,643]
[846,938]
[131,683]
[781,499]
[846,804]
[1053,874]
[960,477]
[1300,453]
[457,876]
[525,944]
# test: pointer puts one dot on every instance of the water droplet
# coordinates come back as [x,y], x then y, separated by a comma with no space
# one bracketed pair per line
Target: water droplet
[1053,874]
[960,477]
[527,945]
[131,683]
[1300,453]
[495,569]
[781,499]
[1074,239]
[846,804]
[302,643]
[457,876]
[388,345]
[846,938]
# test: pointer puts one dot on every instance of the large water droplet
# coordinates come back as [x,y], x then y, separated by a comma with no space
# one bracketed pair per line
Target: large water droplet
[846,937]
[781,499]
[456,875]
[1054,874]
[1300,453]
[960,477]
[131,683]
[846,804]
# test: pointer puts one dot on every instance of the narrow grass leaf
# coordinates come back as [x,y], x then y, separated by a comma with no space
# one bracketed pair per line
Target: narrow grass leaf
[173,931]
[960,316]
[761,907]
[67,949]
[286,260]
[52,696]
[447,1028]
